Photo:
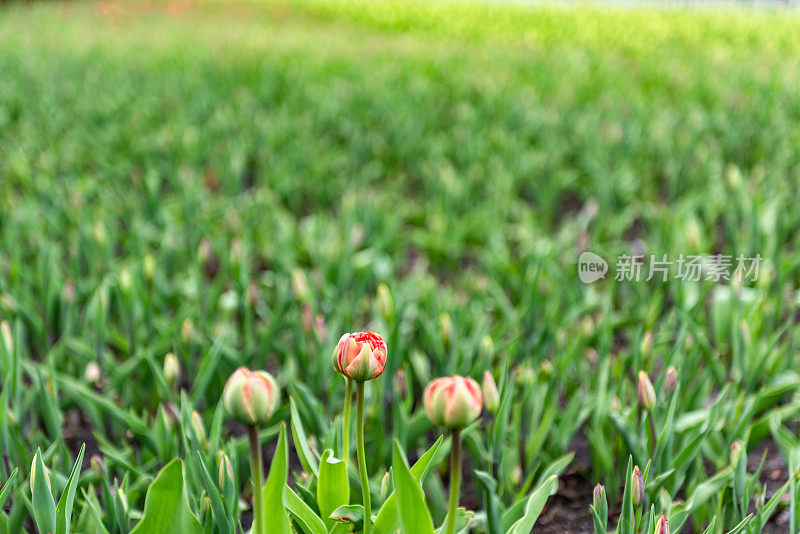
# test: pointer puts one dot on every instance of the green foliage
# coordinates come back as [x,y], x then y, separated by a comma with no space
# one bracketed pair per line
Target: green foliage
[166,507]
[233,184]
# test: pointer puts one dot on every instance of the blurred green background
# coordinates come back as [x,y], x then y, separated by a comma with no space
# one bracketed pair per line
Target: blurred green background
[165,168]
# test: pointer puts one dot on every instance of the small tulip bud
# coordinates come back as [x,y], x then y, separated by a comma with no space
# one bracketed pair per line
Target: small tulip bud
[307,318]
[186,331]
[35,473]
[647,395]
[125,281]
[400,386]
[300,286]
[647,343]
[122,499]
[670,380]
[149,268]
[662,525]
[8,338]
[525,375]
[169,415]
[172,369]
[253,294]
[68,292]
[225,468]
[446,326]
[615,405]
[251,396]
[487,348]
[491,396]
[321,329]
[453,401]
[98,468]
[516,475]
[736,451]
[100,234]
[92,373]
[692,233]
[385,487]
[637,486]
[597,495]
[385,304]
[546,368]
[236,252]
[360,356]
[199,427]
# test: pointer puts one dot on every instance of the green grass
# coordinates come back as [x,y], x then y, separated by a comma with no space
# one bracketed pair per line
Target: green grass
[456,152]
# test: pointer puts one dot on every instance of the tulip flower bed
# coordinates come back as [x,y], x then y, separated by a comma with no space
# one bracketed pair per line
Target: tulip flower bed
[197,200]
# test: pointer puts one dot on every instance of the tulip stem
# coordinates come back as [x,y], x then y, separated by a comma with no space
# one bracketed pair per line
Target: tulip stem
[259,520]
[348,395]
[455,481]
[362,463]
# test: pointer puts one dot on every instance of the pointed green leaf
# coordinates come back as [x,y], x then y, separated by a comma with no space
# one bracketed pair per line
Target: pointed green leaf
[411,508]
[44,507]
[274,508]
[166,505]
[64,508]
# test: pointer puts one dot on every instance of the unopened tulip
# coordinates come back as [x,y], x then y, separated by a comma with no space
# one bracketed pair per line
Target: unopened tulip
[637,486]
[736,451]
[662,525]
[670,380]
[400,386]
[186,330]
[199,427]
[360,356]
[385,487]
[647,395]
[225,468]
[647,343]
[453,401]
[446,326]
[97,465]
[597,495]
[385,305]
[7,337]
[491,397]
[251,396]
[172,369]
[35,473]
[300,286]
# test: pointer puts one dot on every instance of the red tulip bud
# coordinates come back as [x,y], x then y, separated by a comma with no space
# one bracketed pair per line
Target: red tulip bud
[662,525]
[670,380]
[251,396]
[637,486]
[360,356]
[453,401]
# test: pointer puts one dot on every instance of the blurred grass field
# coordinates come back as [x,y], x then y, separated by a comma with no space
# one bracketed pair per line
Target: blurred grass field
[165,168]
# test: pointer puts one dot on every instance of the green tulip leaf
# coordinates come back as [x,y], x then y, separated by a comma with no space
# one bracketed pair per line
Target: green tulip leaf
[303,514]
[166,505]
[274,508]
[333,486]
[411,507]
